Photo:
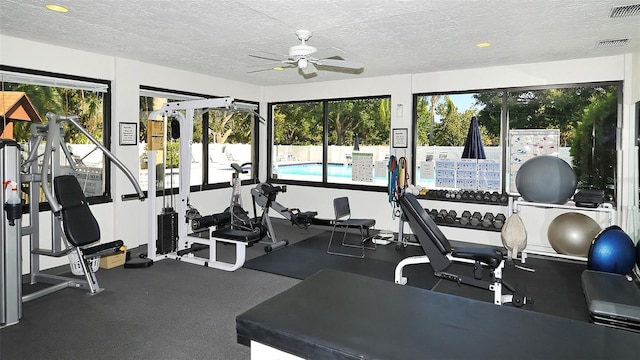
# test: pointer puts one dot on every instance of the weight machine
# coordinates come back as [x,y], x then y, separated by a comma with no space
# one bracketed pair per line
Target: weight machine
[40,170]
[177,232]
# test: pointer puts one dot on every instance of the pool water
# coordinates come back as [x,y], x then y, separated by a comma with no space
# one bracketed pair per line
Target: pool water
[315,169]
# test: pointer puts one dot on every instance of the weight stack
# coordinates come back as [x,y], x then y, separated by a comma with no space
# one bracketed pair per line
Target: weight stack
[167,231]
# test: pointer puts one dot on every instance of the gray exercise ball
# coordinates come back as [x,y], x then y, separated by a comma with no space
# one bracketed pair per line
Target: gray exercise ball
[546,179]
[572,233]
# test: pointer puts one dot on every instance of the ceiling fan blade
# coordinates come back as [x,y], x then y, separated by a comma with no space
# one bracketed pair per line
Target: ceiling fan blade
[310,69]
[340,63]
[273,68]
[267,65]
[265,58]
[329,53]
[269,53]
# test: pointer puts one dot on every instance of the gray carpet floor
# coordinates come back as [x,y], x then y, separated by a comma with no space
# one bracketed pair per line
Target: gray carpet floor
[171,310]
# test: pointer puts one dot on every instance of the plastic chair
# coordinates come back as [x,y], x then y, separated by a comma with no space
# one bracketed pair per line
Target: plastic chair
[343,219]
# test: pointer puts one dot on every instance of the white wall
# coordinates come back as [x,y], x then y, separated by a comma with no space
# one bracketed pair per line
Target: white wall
[128,220]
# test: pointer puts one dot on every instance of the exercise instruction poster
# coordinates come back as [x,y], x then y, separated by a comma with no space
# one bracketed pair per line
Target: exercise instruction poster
[526,144]
[362,167]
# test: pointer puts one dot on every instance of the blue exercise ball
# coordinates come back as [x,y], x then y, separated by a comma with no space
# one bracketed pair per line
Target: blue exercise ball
[638,254]
[612,251]
[546,179]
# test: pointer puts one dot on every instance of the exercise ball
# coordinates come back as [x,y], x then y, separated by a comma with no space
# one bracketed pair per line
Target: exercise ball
[572,233]
[546,179]
[638,254]
[612,251]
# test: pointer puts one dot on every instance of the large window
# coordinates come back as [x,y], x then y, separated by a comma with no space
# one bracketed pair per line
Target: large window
[333,141]
[27,96]
[220,137]
[580,119]
[442,127]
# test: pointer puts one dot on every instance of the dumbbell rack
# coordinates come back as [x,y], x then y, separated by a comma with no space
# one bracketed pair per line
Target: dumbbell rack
[479,198]
[468,220]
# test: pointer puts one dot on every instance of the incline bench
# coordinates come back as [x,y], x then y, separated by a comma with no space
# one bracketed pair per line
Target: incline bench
[337,315]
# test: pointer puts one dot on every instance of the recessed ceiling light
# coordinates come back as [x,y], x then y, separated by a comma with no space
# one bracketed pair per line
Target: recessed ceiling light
[57,8]
[278,68]
[483,44]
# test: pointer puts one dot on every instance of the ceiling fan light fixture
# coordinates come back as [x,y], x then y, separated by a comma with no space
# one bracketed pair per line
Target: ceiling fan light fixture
[303,63]
[57,8]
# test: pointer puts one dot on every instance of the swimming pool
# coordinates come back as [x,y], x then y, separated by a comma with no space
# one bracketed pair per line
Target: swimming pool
[313,171]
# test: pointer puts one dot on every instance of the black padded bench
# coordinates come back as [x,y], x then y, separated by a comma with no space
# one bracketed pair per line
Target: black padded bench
[336,315]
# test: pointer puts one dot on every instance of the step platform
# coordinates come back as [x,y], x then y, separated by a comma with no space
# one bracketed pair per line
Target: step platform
[613,299]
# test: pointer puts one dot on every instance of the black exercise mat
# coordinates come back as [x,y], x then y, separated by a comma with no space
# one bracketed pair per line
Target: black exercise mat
[555,286]
[309,256]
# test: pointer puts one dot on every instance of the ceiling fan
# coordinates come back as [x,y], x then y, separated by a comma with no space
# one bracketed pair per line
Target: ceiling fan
[306,58]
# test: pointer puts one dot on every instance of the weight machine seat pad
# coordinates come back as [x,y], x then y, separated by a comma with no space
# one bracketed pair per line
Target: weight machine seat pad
[104,249]
[236,235]
[80,226]
[337,315]
[218,219]
[360,223]
[490,256]
[611,296]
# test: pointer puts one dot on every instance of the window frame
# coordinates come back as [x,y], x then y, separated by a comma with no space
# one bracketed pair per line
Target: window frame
[504,131]
[324,183]
[106,197]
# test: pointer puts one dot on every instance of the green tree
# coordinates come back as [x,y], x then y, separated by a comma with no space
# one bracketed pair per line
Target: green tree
[423,121]
[298,124]
[594,145]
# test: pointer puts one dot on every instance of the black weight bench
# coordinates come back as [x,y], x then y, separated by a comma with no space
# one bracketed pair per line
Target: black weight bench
[219,231]
[81,228]
[440,254]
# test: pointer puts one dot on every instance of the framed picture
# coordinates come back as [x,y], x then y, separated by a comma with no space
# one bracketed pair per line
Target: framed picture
[399,138]
[128,134]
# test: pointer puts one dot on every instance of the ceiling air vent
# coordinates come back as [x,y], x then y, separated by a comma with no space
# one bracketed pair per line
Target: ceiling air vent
[624,11]
[613,43]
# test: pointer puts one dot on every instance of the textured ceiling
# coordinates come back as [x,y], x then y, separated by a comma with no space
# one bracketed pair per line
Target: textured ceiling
[215,37]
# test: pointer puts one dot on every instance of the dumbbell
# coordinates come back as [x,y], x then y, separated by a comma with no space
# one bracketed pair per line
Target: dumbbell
[478,196]
[441,215]
[487,220]
[465,217]
[476,218]
[433,213]
[498,221]
[451,217]
[504,198]
[494,197]
[486,196]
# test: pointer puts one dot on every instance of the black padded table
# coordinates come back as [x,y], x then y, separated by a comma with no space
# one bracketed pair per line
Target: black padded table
[337,315]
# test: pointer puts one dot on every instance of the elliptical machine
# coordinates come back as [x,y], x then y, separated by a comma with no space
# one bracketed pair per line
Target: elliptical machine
[239,218]
[264,195]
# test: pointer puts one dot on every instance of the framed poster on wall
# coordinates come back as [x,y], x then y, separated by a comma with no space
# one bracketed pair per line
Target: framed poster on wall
[399,138]
[128,134]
